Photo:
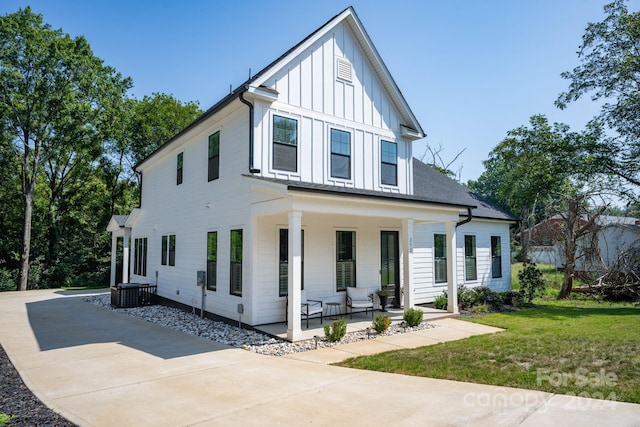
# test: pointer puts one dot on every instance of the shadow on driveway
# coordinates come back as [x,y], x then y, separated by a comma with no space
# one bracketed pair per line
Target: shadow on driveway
[70,322]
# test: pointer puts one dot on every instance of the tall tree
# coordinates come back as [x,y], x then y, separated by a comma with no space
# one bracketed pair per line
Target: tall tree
[54,90]
[542,170]
[610,72]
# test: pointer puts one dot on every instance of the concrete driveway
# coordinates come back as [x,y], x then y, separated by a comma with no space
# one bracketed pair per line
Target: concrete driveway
[100,368]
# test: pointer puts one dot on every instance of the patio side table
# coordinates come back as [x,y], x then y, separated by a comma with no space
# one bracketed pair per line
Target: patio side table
[333,309]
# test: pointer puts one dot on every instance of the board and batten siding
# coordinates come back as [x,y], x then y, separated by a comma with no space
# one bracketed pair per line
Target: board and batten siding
[310,92]
[424,281]
[198,206]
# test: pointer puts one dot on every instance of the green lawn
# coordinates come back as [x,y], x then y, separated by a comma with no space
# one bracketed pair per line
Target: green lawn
[571,347]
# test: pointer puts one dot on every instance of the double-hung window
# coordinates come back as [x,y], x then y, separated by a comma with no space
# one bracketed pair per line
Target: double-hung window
[440,257]
[470,269]
[389,163]
[168,256]
[179,169]
[283,263]
[140,256]
[213,166]
[496,257]
[285,144]
[235,275]
[340,154]
[345,260]
[212,260]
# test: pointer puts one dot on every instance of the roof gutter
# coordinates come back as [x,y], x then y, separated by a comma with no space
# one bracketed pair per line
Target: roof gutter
[252,170]
[466,220]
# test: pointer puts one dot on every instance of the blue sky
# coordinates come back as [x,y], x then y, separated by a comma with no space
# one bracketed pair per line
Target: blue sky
[470,70]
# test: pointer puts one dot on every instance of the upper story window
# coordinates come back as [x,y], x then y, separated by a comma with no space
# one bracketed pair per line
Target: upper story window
[340,154]
[285,144]
[389,163]
[179,169]
[214,156]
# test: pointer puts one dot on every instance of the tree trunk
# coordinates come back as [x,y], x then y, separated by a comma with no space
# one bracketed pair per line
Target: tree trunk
[26,238]
[569,269]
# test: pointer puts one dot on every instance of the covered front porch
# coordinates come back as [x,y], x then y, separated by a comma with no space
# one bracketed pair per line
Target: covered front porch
[360,322]
[315,244]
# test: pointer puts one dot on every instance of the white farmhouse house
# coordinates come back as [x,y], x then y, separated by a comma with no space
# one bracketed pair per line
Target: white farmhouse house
[301,183]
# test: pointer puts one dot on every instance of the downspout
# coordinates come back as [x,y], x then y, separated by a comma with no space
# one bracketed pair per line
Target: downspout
[466,220]
[250,105]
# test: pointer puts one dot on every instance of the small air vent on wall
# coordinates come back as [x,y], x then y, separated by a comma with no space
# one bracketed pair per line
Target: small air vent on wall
[344,69]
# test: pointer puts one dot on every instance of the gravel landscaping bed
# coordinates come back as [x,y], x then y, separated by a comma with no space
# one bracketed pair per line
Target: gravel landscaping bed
[226,334]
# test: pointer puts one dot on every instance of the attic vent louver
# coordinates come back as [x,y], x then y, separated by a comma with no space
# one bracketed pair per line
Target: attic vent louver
[344,69]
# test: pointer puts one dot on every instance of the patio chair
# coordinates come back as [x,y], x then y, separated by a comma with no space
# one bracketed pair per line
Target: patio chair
[310,307]
[359,298]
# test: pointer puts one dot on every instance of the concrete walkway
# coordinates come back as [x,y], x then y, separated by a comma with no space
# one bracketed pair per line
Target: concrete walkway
[100,368]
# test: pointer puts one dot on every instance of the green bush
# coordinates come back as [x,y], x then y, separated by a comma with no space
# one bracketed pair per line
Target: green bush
[514,298]
[531,281]
[413,316]
[381,323]
[441,301]
[335,331]
[481,308]
[8,280]
[484,295]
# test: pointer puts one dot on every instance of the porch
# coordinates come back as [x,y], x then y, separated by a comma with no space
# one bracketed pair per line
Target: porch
[360,322]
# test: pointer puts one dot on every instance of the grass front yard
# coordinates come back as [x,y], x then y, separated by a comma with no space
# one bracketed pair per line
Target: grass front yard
[578,347]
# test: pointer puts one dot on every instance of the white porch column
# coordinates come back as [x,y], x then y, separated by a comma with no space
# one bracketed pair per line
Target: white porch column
[407,261]
[294,323]
[452,268]
[114,249]
[125,255]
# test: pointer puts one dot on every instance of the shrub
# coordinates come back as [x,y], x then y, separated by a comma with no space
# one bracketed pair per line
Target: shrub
[466,297]
[484,295]
[514,298]
[8,280]
[335,331]
[441,301]
[413,316]
[481,308]
[531,282]
[381,323]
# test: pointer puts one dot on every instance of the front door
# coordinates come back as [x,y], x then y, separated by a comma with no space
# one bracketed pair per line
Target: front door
[390,264]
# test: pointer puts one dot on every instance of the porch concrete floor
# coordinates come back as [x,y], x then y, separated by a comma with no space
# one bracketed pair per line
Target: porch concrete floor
[359,322]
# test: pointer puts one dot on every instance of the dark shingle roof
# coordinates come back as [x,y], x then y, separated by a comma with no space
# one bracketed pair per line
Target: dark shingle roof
[121,219]
[429,183]
[429,186]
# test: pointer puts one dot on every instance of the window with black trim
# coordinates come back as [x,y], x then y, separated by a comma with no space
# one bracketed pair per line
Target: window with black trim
[440,257]
[168,255]
[389,163]
[179,169]
[212,260]
[140,256]
[470,269]
[496,257]
[283,263]
[235,275]
[285,144]
[345,260]
[213,166]
[340,154]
